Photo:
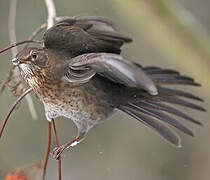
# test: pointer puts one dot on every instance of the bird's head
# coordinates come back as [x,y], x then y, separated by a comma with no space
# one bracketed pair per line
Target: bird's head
[41,63]
[31,61]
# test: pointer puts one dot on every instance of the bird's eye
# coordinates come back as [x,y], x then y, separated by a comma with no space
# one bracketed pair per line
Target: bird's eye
[34,55]
[38,58]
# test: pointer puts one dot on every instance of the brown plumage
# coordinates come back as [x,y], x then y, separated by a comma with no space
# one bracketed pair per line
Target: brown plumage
[80,75]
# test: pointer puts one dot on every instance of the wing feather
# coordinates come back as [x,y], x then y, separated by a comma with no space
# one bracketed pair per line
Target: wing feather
[79,35]
[116,69]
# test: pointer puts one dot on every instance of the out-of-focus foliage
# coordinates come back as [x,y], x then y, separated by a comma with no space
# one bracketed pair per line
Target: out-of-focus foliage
[174,32]
[165,35]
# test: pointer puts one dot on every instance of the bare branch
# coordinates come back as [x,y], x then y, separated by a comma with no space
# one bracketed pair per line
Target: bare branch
[50,22]
[57,144]
[51,13]
[12,37]
[12,17]
[46,157]
[37,31]
[12,109]
[14,45]
[31,106]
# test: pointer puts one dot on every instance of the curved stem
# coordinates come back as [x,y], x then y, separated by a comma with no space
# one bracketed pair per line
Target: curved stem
[57,144]
[11,25]
[51,13]
[12,109]
[17,44]
[46,157]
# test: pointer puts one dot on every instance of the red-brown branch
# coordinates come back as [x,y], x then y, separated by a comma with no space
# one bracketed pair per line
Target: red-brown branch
[46,157]
[12,109]
[57,144]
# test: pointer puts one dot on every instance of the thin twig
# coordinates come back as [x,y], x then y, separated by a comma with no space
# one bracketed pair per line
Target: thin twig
[8,79]
[46,157]
[57,144]
[13,45]
[12,109]
[50,5]
[12,37]
[36,32]
[11,25]
[50,22]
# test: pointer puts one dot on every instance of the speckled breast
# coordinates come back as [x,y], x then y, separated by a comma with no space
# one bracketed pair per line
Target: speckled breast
[85,105]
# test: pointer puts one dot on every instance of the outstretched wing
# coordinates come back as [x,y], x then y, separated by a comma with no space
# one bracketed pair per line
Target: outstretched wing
[111,66]
[139,102]
[79,35]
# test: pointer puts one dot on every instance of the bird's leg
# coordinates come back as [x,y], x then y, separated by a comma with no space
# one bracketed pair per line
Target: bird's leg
[60,149]
[57,143]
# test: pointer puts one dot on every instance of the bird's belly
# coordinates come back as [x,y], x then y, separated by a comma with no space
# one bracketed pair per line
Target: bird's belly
[85,109]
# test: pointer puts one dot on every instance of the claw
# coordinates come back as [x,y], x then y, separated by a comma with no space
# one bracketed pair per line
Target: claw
[57,151]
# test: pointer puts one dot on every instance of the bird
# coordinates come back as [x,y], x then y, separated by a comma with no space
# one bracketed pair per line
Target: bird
[79,74]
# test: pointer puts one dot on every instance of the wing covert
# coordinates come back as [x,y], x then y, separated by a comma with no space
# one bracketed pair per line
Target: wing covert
[110,66]
[79,35]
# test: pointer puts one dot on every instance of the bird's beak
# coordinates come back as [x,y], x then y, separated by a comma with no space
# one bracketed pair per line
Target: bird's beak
[15,61]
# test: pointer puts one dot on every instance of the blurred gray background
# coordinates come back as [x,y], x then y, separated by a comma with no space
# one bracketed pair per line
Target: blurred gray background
[166,34]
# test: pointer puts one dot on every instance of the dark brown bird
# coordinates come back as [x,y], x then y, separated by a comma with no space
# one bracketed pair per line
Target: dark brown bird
[80,75]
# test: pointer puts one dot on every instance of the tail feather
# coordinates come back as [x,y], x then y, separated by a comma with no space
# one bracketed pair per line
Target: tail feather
[156,111]
[166,79]
[180,93]
[164,131]
[168,76]
[179,101]
[162,116]
[169,109]
[155,70]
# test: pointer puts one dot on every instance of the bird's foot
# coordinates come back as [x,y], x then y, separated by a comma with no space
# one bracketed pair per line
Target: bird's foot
[57,151]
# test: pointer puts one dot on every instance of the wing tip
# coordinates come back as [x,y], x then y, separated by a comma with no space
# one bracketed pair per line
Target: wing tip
[153,90]
[177,143]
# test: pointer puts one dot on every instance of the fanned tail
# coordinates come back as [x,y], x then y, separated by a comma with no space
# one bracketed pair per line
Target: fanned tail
[160,128]
[156,111]
[168,76]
